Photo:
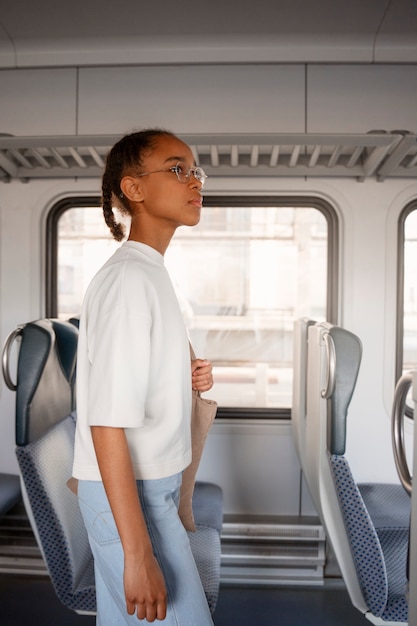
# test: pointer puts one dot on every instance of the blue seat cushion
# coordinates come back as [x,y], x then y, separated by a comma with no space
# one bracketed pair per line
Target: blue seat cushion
[205,542]
[380,552]
[9,492]
[208,505]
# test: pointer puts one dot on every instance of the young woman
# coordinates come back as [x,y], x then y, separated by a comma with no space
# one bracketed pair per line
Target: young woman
[134,380]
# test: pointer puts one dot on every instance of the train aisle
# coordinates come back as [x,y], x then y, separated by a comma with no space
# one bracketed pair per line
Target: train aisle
[32,600]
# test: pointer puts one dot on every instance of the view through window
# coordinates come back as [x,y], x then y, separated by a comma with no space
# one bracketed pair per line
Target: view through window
[242,277]
[410,292]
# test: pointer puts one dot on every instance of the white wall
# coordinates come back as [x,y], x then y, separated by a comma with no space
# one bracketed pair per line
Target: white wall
[244,458]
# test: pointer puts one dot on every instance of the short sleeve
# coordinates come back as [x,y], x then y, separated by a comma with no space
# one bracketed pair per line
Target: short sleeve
[119,355]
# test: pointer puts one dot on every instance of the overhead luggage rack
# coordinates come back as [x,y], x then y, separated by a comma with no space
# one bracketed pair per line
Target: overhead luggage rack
[376,154]
[68,156]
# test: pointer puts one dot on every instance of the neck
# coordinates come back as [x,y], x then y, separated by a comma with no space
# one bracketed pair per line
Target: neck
[157,239]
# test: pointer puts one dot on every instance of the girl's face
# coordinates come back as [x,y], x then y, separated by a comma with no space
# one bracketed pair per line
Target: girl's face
[165,198]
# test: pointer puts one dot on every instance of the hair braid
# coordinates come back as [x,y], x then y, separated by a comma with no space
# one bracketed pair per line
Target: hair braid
[123,159]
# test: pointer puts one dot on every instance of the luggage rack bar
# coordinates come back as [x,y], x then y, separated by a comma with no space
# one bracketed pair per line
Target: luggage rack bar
[378,154]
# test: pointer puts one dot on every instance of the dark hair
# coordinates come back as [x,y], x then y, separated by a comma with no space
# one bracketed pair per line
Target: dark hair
[125,158]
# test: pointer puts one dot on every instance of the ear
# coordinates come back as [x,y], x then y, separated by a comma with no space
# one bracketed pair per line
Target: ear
[131,188]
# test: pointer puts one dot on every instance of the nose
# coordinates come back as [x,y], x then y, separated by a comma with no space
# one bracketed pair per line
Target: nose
[195,182]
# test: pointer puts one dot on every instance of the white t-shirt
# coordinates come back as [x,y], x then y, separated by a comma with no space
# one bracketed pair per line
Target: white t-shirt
[133,365]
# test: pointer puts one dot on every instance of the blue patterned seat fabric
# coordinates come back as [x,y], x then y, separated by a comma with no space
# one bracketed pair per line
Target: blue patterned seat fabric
[205,542]
[46,465]
[379,552]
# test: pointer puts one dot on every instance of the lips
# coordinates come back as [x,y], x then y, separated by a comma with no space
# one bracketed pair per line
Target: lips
[198,202]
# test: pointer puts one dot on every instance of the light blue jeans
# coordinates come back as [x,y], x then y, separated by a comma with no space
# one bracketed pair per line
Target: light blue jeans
[187,604]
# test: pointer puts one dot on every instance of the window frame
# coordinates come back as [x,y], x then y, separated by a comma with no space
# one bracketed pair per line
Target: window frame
[333,247]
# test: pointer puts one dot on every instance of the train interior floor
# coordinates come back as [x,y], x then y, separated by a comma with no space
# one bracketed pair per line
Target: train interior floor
[31,600]
[28,597]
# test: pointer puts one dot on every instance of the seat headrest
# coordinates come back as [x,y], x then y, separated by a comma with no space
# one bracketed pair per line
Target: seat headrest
[348,354]
[45,377]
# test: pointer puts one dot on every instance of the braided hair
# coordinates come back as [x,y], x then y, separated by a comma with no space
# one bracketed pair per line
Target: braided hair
[124,159]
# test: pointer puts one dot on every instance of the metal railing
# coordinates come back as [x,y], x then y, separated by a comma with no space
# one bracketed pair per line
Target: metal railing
[397,431]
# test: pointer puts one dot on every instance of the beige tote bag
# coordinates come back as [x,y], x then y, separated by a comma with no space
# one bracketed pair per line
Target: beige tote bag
[202,417]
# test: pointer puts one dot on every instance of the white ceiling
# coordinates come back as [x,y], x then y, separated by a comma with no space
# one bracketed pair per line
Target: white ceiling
[40,33]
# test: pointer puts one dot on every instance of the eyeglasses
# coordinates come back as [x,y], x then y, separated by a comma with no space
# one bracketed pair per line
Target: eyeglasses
[182,173]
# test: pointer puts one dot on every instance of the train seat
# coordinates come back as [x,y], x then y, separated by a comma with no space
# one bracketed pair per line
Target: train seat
[367,524]
[9,492]
[45,429]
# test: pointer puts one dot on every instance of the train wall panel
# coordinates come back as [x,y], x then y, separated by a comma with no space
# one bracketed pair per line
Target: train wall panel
[360,98]
[38,101]
[221,99]
[209,99]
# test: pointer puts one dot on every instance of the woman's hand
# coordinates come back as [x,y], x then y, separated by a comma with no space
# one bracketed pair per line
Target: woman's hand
[145,589]
[201,375]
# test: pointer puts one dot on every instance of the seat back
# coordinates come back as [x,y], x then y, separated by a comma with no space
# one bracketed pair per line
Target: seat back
[363,551]
[45,375]
[46,465]
[45,430]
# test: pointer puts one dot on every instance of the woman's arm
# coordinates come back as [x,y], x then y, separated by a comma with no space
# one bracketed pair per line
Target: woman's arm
[143,580]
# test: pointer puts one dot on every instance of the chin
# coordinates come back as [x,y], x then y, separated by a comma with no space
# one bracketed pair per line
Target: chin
[192,220]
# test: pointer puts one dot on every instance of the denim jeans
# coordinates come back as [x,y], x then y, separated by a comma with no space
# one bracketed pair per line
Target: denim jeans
[187,604]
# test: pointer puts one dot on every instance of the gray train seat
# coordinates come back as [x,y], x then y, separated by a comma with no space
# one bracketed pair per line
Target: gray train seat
[45,429]
[9,492]
[367,524]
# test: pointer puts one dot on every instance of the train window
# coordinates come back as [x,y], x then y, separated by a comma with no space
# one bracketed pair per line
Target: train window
[407,291]
[243,275]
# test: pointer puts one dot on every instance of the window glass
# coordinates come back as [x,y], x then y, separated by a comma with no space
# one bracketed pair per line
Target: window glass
[242,277]
[84,244]
[409,314]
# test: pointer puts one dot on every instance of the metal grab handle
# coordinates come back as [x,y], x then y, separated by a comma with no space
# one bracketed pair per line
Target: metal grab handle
[331,366]
[6,357]
[397,431]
